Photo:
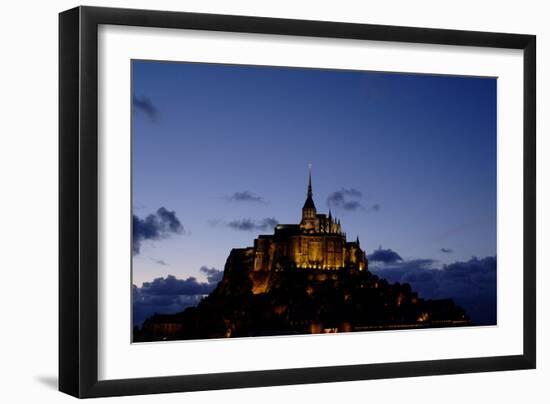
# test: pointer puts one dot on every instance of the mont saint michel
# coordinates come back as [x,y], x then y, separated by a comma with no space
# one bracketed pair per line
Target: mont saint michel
[303,278]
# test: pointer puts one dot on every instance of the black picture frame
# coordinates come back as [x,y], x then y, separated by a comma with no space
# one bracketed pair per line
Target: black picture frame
[78,201]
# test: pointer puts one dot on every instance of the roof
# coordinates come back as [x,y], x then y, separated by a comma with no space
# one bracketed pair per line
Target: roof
[287,229]
[309,203]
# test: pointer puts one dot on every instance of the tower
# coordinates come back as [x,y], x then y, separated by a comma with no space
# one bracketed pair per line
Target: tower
[309,212]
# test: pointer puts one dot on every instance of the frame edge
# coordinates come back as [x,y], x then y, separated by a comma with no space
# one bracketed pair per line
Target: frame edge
[530,201]
[69,81]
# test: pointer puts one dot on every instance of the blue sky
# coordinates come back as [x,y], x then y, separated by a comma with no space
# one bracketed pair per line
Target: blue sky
[226,148]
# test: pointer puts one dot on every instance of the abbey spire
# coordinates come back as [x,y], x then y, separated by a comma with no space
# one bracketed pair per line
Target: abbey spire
[309,212]
[309,189]
[309,200]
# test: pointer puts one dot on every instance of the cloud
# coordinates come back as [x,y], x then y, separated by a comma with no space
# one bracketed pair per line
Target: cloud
[174,286]
[171,295]
[160,262]
[155,226]
[341,199]
[212,274]
[247,224]
[145,304]
[145,106]
[471,284]
[385,256]
[348,200]
[446,250]
[245,196]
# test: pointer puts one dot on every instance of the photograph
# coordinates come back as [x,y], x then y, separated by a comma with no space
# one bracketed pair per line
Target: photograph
[272,201]
[275,202]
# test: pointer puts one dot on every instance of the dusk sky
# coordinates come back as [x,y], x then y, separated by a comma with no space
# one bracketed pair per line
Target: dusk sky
[406,161]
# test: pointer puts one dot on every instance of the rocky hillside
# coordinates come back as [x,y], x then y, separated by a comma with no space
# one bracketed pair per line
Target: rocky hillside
[300,301]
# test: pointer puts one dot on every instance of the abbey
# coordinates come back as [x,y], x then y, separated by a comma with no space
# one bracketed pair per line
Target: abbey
[316,243]
[304,278]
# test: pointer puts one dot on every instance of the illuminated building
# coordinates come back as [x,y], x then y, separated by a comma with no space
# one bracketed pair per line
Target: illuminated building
[316,243]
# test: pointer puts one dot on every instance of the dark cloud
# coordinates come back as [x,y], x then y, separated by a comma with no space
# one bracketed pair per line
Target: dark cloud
[160,262]
[245,196]
[471,284]
[145,304]
[267,223]
[345,199]
[171,295]
[154,227]
[351,205]
[146,106]
[212,274]
[385,256]
[446,250]
[174,286]
[355,193]
[349,200]
[242,224]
